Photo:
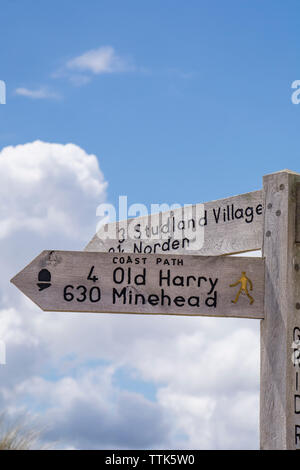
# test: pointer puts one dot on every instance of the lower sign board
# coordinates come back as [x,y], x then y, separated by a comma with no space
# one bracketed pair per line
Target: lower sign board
[71,281]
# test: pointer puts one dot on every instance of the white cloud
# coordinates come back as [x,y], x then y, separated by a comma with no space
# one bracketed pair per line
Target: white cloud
[99,61]
[187,382]
[48,188]
[80,70]
[39,94]
[89,410]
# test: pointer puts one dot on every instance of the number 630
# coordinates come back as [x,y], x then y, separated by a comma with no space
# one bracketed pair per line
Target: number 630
[82,293]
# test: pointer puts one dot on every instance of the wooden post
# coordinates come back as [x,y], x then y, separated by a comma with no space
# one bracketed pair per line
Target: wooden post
[280,329]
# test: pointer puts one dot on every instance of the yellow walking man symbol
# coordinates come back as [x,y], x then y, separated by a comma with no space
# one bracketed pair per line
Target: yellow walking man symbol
[244,280]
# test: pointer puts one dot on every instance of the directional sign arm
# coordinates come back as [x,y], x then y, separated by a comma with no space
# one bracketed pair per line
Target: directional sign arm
[224,226]
[153,284]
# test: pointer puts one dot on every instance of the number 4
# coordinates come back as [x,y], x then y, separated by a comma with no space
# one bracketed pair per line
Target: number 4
[94,278]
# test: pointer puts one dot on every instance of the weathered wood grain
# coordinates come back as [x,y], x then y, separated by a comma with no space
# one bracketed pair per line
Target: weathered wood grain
[297,212]
[152,284]
[231,225]
[280,379]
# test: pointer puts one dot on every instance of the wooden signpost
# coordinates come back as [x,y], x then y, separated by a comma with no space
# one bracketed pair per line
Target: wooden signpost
[158,270]
[155,284]
[280,330]
[231,225]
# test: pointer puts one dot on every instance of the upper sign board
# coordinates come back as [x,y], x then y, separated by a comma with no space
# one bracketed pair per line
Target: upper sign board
[225,226]
[145,284]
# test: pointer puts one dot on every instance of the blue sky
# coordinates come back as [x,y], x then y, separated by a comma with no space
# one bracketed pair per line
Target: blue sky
[202,112]
[165,102]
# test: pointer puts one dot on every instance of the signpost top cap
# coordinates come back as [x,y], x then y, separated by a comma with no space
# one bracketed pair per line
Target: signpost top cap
[283,171]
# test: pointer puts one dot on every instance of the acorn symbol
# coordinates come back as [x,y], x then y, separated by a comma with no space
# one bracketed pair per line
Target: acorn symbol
[44,278]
